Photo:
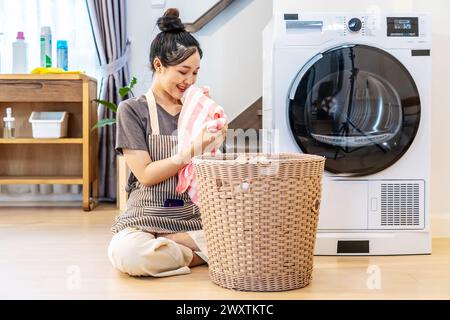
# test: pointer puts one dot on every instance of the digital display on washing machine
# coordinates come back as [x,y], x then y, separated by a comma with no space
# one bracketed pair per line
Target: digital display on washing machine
[402,27]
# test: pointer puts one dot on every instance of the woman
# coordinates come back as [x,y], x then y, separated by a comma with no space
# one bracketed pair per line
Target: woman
[160,232]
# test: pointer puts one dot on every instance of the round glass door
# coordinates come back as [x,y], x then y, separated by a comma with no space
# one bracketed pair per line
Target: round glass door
[356,105]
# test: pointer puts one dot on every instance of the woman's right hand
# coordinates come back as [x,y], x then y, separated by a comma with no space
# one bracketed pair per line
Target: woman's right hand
[205,142]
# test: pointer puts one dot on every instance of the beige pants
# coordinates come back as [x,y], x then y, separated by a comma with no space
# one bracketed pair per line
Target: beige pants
[139,253]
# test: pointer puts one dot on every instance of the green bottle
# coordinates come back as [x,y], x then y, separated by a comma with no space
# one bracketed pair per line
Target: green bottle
[46,47]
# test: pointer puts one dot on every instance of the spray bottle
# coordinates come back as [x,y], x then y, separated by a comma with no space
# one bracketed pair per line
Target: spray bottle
[9,124]
[62,54]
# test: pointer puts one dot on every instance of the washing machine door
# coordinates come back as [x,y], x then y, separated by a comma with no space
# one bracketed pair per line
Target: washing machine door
[356,105]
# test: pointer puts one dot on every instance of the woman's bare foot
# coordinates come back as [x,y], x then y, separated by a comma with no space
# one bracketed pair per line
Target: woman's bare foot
[196,260]
[185,240]
[181,238]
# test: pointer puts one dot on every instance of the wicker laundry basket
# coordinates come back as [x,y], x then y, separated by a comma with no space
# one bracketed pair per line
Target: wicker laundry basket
[260,214]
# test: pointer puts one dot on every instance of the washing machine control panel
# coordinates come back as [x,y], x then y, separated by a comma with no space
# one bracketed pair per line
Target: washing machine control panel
[392,30]
[376,26]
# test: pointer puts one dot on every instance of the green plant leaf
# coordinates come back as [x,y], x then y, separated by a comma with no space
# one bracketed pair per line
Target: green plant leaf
[133,83]
[124,91]
[111,106]
[127,90]
[104,122]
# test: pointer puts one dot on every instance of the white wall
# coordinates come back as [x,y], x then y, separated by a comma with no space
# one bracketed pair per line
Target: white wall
[139,28]
[232,65]
[190,13]
[231,43]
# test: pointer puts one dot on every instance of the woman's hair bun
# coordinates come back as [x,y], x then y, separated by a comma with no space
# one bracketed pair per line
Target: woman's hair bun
[170,21]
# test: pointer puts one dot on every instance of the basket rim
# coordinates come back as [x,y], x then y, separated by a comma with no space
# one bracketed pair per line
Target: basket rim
[287,157]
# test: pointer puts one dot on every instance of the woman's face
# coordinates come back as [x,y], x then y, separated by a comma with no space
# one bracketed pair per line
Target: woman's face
[175,80]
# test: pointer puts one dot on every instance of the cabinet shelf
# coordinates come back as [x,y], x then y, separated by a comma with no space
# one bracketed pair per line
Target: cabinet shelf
[41,180]
[41,141]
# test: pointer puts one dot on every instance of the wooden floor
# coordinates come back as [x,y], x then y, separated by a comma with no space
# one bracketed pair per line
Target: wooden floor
[61,254]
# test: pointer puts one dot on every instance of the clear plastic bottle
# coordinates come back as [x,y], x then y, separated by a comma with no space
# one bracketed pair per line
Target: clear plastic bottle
[46,47]
[9,125]
[62,54]
[20,55]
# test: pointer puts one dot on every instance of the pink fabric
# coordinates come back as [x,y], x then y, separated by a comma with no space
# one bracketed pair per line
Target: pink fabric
[198,111]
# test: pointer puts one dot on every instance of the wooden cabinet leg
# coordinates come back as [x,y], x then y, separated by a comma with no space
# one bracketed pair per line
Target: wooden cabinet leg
[86,196]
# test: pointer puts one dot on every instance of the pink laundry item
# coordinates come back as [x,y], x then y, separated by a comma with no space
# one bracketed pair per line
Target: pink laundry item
[198,111]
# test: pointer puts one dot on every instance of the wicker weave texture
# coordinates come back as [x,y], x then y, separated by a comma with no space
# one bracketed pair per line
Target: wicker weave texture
[260,214]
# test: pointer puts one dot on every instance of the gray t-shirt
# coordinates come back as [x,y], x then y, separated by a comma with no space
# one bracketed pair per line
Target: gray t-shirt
[134,127]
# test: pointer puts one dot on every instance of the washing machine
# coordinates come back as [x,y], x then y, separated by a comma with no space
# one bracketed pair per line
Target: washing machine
[356,89]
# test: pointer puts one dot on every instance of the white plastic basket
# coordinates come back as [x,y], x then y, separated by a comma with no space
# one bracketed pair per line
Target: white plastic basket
[49,124]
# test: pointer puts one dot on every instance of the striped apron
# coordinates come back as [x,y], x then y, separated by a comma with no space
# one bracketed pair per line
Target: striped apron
[145,206]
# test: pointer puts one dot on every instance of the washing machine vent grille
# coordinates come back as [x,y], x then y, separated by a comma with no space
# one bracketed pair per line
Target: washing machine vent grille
[400,204]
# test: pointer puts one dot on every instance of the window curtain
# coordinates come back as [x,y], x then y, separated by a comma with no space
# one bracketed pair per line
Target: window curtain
[107,19]
[29,16]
